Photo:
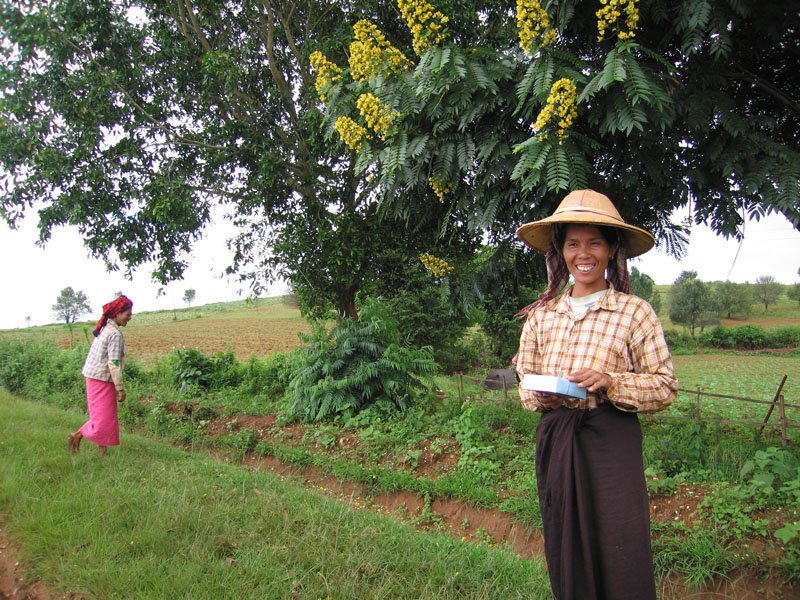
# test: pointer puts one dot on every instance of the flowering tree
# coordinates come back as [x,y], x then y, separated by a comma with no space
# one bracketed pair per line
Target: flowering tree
[139,122]
[142,123]
[659,104]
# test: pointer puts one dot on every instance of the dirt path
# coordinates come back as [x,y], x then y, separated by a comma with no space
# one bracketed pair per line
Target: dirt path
[13,585]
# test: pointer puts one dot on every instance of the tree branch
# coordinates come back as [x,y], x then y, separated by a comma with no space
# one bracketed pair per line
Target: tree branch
[764,85]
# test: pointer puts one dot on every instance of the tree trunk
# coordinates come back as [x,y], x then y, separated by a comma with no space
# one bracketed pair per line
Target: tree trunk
[346,307]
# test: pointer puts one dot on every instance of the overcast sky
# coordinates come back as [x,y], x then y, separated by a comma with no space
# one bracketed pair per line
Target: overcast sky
[33,277]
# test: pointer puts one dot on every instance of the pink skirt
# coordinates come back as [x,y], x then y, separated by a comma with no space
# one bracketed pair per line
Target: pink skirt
[102,428]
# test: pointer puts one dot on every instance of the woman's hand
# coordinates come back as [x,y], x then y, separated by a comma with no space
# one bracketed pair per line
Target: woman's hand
[120,395]
[593,381]
[550,401]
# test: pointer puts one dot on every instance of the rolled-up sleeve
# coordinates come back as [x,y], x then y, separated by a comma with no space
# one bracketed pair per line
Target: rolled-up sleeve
[528,361]
[651,385]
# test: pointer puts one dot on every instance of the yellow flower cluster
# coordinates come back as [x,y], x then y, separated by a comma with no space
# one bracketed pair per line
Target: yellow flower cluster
[533,23]
[440,188]
[437,266]
[608,17]
[327,71]
[562,105]
[351,132]
[371,50]
[425,22]
[378,115]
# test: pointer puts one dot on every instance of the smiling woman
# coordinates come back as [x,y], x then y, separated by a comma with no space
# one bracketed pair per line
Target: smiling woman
[586,251]
[589,448]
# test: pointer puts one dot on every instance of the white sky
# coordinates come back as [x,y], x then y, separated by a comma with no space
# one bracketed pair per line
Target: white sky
[770,246]
[33,277]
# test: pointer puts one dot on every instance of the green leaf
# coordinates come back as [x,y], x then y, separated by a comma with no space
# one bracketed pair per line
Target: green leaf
[613,69]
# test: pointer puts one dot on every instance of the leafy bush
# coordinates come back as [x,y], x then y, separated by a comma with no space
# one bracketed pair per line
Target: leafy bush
[40,369]
[425,318]
[193,371]
[356,364]
[751,337]
[269,377]
[785,337]
[680,341]
[470,353]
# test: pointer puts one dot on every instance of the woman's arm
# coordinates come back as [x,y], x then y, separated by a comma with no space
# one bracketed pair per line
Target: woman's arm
[528,362]
[652,385]
[116,353]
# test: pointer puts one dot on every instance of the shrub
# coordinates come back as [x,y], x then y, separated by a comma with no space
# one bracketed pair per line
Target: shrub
[746,337]
[719,337]
[678,340]
[356,364]
[193,371]
[39,368]
[749,337]
[425,318]
[470,353]
[785,337]
[269,377]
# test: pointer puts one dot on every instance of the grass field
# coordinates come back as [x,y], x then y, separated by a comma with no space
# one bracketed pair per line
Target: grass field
[152,521]
[220,511]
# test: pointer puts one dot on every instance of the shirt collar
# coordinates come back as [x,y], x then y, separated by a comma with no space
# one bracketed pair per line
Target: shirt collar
[606,302]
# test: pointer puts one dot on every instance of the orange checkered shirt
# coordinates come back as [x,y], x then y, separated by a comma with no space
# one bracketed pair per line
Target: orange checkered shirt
[619,335]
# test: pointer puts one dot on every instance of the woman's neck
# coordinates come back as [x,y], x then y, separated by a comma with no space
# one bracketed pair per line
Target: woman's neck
[579,290]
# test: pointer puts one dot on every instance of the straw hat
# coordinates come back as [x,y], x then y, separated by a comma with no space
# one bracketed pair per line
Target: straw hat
[590,208]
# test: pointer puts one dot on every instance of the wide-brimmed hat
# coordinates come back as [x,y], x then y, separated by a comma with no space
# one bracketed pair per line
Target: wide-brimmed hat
[590,208]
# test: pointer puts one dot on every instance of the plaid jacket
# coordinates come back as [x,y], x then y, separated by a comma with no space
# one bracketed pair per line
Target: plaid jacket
[619,335]
[106,358]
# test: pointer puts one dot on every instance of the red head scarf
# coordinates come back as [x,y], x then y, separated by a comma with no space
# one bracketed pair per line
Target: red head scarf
[111,310]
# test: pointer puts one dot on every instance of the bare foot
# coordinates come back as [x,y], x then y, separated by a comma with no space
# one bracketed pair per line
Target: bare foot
[74,442]
[102,450]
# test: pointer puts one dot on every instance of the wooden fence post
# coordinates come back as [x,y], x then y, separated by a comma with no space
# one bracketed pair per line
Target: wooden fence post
[774,401]
[782,416]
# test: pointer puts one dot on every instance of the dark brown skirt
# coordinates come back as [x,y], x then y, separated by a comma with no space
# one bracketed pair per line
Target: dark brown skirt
[594,504]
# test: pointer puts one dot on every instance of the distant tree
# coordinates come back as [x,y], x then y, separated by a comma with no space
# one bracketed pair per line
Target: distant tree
[691,302]
[767,290]
[793,292]
[642,285]
[28,321]
[70,305]
[733,298]
[188,296]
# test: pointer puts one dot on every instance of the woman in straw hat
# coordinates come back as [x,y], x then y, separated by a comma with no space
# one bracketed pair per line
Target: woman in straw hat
[589,450]
[103,370]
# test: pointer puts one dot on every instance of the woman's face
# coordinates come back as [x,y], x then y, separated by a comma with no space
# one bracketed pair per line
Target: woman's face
[586,253]
[122,318]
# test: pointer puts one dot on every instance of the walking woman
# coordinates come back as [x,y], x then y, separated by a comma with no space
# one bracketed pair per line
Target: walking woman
[589,468]
[103,370]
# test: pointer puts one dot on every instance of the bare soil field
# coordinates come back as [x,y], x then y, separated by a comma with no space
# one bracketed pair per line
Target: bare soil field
[258,329]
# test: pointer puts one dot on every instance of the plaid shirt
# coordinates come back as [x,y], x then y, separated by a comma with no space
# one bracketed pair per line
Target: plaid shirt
[107,347]
[619,335]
